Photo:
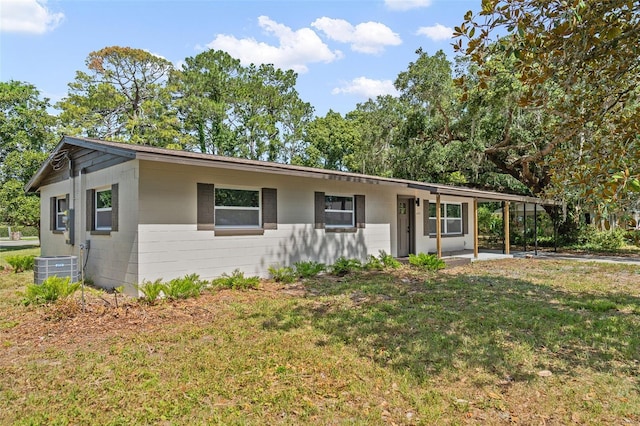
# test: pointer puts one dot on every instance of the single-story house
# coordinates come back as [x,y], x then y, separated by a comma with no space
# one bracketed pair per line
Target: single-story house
[143,213]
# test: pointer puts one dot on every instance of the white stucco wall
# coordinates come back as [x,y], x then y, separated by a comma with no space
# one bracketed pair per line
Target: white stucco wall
[111,259]
[449,244]
[171,246]
[158,236]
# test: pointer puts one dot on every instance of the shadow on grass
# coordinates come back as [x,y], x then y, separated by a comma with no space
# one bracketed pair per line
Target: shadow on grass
[505,326]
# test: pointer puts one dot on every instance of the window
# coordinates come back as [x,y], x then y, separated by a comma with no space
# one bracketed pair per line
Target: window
[61,213]
[103,209]
[335,213]
[450,218]
[338,211]
[237,208]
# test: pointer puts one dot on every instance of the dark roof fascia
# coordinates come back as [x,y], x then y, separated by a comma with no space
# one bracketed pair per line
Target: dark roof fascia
[479,194]
[122,151]
[34,182]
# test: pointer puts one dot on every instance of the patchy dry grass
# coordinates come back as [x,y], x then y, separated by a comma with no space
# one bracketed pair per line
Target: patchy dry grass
[468,345]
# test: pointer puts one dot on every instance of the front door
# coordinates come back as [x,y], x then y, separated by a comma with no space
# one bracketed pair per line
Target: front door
[405,226]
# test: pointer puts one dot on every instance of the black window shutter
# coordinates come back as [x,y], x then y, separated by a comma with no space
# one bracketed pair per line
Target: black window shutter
[114,207]
[90,210]
[70,221]
[425,218]
[319,210]
[206,207]
[53,209]
[360,211]
[465,218]
[269,208]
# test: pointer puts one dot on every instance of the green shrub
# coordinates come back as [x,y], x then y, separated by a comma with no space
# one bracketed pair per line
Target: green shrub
[185,287]
[344,266]
[284,274]
[236,281]
[373,264]
[152,290]
[51,289]
[429,262]
[595,240]
[632,236]
[309,269]
[21,263]
[389,261]
[26,231]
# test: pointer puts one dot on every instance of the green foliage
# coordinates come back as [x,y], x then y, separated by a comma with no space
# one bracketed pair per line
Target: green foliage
[21,263]
[309,269]
[344,266]
[284,274]
[185,287]
[595,305]
[18,208]
[51,289]
[488,222]
[373,264]
[429,262]
[152,290]
[229,109]
[593,239]
[25,124]
[632,236]
[236,281]
[592,109]
[331,143]
[123,96]
[388,261]
[25,231]
[381,262]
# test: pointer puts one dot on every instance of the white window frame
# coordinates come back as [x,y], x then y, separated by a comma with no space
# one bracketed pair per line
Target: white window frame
[352,211]
[236,188]
[444,218]
[64,214]
[103,209]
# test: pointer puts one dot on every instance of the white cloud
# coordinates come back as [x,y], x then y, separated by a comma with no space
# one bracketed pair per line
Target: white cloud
[406,4]
[366,88]
[28,16]
[294,51]
[367,37]
[436,32]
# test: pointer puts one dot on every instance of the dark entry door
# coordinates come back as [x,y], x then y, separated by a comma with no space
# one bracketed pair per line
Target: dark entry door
[405,226]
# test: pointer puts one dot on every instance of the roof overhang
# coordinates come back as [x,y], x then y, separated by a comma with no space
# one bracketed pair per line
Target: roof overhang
[149,153]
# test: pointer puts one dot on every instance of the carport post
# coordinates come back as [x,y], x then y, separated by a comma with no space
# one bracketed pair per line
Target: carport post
[524,225]
[438,228]
[475,228]
[535,228]
[505,217]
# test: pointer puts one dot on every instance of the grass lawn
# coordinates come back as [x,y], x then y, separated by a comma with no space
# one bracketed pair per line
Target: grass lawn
[520,341]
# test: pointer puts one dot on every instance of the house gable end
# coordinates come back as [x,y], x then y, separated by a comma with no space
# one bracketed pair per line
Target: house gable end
[86,156]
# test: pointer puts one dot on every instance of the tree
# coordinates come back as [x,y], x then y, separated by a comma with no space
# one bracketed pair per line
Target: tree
[123,97]
[268,113]
[18,208]
[331,142]
[204,91]
[589,52]
[251,112]
[26,136]
[25,124]
[378,122]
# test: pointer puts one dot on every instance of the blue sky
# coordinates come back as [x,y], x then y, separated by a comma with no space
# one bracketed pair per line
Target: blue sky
[344,51]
